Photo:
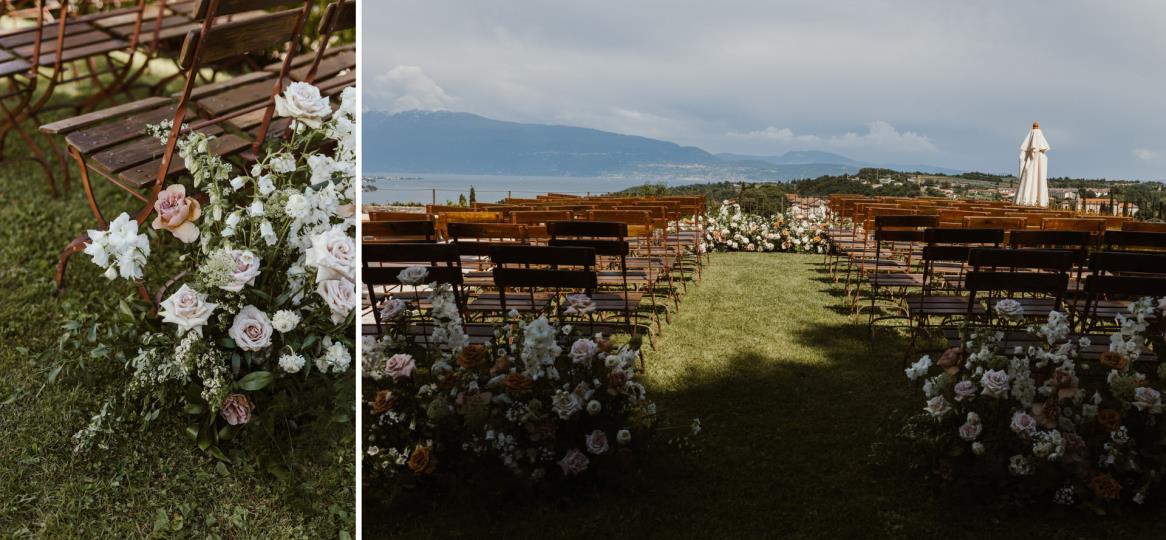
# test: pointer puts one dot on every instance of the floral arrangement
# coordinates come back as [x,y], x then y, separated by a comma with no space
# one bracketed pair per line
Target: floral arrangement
[260,307]
[1041,423]
[799,230]
[543,401]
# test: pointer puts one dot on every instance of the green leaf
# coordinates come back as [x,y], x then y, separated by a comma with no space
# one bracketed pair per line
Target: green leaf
[194,408]
[256,380]
[161,521]
[227,343]
[227,433]
[10,399]
[308,342]
[218,454]
[192,432]
[54,373]
[206,436]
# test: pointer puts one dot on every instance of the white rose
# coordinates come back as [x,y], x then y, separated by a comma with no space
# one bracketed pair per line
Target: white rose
[1009,309]
[285,320]
[1023,423]
[594,407]
[304,103]
[597,442]
[937,406]
[391,308]
[333,253]
[583,350]
[1147,399]
[251,329]
[623,436]
[336,357]
[188,309]
[245,271]
[416,275]
[291,363]
[340,295]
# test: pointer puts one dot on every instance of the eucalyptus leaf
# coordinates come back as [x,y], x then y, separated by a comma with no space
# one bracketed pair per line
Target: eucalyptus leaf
[256,380]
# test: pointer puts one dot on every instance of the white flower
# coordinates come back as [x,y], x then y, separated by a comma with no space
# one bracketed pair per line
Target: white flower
[594,407]
[597,442]
[285,320]
[256,208]
[188,309]
[297,206]
[579,304]
[303,102]
[333,254]
[291,362]
[245,271]
[266,186]
[340,296]
[1019,465]
[970,431]
[336,357]
[238,182]
[623,436]
[251,329]
[120,250]
[282,163]
[348,102]
[268,233]
[978,448]
[919,368]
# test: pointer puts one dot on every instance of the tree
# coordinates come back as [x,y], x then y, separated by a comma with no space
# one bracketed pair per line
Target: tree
[473,196]
[461,199]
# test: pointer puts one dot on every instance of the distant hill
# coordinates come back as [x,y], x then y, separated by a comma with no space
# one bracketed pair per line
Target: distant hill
[464,143]
[816,157]
[453,142]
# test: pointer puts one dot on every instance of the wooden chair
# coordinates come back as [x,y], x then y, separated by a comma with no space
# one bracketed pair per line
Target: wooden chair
[398,216]
[391,232]
[894,272]
[1143,226]
[112,144]
[474,241]
[381,264]
[544,270]
[59,48]
[1119,277]
[1134,241]
[607,239]
[1037,278]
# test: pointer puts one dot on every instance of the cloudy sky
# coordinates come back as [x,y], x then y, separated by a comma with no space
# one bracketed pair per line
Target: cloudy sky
[952,84]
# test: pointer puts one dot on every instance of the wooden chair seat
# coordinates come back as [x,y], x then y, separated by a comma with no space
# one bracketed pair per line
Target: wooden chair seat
[896,279]
[918,305]
[490,302]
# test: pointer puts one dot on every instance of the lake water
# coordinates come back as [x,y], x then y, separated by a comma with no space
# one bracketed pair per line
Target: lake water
[418,187]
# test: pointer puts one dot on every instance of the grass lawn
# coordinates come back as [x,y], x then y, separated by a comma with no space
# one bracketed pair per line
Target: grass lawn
[153,483]
[791,394]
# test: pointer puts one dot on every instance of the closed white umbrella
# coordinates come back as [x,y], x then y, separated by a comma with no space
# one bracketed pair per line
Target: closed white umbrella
[1034,170]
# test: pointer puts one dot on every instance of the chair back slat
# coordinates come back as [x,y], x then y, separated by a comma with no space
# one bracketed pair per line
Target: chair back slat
[203,8]
[1140,262]
[398,216]
[398,231]
[235,38]
[1147,240]
[1143,226]
[1056,260]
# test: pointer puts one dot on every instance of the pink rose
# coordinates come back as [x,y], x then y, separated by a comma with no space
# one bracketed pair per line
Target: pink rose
[575,462]
[995,383]
[1065,382]
[1147,399]
[970,431]
[964,390]
[400,365]
[1023,424]
[237,409]
[176,213]
[597,442]
[583,350]
[251,329]
[616,381]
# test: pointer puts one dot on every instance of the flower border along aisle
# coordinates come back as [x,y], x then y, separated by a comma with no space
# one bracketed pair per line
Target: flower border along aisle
[261,312]
[1041,423]
[798,230]
[525,401]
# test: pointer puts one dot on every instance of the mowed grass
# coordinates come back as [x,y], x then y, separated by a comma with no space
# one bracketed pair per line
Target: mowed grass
[792,395]
[153,483]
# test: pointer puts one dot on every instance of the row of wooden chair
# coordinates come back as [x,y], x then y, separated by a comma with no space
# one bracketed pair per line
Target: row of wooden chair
[112,143]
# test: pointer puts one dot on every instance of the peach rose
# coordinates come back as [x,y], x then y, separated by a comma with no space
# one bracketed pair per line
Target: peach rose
[1106,487]
[517,384]
[177,212]
[951,360]
[383,402]
[237,409]
[1109,419]
[422,460]
[472,356]
[1113,360]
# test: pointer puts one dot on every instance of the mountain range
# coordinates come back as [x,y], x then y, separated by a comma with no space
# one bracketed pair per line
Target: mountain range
[464,143]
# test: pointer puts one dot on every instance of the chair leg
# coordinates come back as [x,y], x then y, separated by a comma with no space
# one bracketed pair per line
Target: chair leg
[78,244]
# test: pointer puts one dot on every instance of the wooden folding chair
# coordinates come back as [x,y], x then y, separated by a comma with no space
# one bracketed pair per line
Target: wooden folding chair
[1117,278]
[112,143]
[392,232]
[1134,241]
[1143,226]
[54,51]
[1041,274]
[545,271]
[607,239]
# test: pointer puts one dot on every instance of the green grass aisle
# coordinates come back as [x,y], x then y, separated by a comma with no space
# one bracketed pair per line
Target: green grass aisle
[791,394]
[160,481]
